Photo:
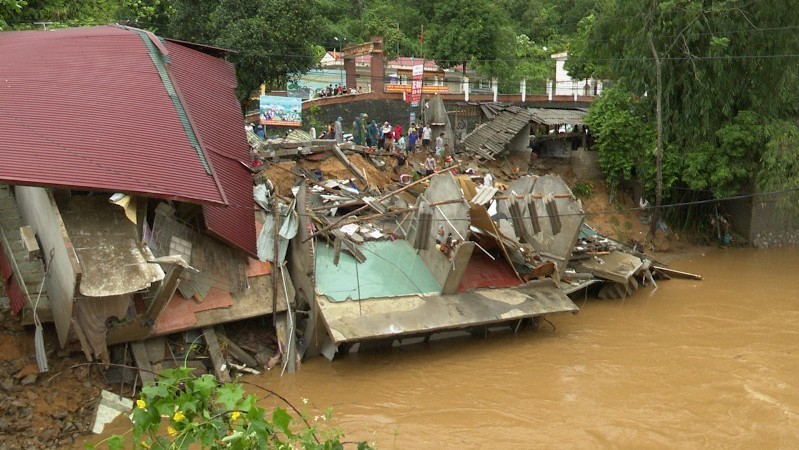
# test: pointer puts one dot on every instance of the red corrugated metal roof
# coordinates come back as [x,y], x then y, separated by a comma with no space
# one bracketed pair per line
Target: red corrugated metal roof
[216,114]
[86,108]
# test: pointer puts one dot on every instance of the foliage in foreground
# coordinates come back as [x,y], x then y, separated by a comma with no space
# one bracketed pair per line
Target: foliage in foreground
[199,411]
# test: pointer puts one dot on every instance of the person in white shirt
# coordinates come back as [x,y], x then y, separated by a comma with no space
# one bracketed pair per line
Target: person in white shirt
[439,144]
[429,165]
[427,136]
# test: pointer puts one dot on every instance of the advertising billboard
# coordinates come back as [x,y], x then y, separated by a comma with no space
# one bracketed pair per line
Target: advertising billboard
[281,111]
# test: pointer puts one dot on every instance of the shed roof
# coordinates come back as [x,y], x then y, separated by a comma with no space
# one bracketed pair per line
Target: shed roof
[491,138]
[549,116]
[113,108]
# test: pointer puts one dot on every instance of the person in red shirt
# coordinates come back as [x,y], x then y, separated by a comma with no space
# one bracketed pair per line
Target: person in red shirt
[397,132]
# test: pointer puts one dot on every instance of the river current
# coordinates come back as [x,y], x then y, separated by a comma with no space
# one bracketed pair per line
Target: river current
[709,363]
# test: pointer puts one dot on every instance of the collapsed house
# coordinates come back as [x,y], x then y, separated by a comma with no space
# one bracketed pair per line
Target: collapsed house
[447,252]
[127,208]
[410,268]
[124,231]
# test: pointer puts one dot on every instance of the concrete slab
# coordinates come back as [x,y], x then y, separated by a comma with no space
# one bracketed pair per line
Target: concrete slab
[106,243]
[616,266]
[356,321]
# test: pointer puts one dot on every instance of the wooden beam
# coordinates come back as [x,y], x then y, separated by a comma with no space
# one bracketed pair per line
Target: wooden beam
[142,362]
[220,366]
[236,351]
[355,170]
[677,273]
[165,291]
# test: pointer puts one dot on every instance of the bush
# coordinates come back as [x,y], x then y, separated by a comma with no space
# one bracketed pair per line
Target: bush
[199,411]
[583,189]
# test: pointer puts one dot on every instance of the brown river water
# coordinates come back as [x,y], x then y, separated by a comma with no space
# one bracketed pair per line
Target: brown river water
[709,363]
[694,364]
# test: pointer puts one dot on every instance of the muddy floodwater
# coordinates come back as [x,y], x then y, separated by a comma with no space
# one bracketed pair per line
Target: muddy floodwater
[711,363]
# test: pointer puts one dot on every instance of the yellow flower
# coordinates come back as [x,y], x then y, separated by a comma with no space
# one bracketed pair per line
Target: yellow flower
[171,431]
[144,444]
[141,403]
[235,415]
[178,416]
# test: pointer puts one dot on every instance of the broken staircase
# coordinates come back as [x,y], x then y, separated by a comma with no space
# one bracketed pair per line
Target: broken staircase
[22,267]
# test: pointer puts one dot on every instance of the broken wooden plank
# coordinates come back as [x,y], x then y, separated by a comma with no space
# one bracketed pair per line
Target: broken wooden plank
[336,250]
[220,366]
[234,350]
[30,242]
[347,163]
[677,273]
[142,361]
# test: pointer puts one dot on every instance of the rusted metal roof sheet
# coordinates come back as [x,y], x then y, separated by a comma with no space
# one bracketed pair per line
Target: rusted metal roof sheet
[86,108]
[492,137]
[548,116]
[215,114]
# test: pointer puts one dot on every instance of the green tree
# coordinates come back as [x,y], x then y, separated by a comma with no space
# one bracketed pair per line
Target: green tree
[533,63]
[623,137]
[265,34]
[717,59]
[21,15]
[470,31]
[152,15]
[9,11]
[779,168]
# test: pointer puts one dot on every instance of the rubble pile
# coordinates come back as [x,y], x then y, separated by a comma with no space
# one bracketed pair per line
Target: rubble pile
[42,411]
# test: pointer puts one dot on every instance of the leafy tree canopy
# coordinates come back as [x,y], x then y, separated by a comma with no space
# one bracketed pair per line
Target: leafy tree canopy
[724,77]
[466,31]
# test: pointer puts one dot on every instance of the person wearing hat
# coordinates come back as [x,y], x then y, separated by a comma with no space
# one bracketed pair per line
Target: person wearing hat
[388,137]
[381,139]
[338,133]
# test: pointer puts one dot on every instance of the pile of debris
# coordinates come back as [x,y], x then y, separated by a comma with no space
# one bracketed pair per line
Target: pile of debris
[380,257]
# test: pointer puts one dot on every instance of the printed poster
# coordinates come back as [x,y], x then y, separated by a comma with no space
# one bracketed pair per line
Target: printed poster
[281,111]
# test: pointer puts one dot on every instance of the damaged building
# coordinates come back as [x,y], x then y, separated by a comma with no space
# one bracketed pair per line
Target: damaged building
[174,220]
[127,205]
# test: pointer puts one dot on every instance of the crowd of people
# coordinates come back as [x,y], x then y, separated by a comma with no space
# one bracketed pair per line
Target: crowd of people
[387,139]
[338,89]
[394,140]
